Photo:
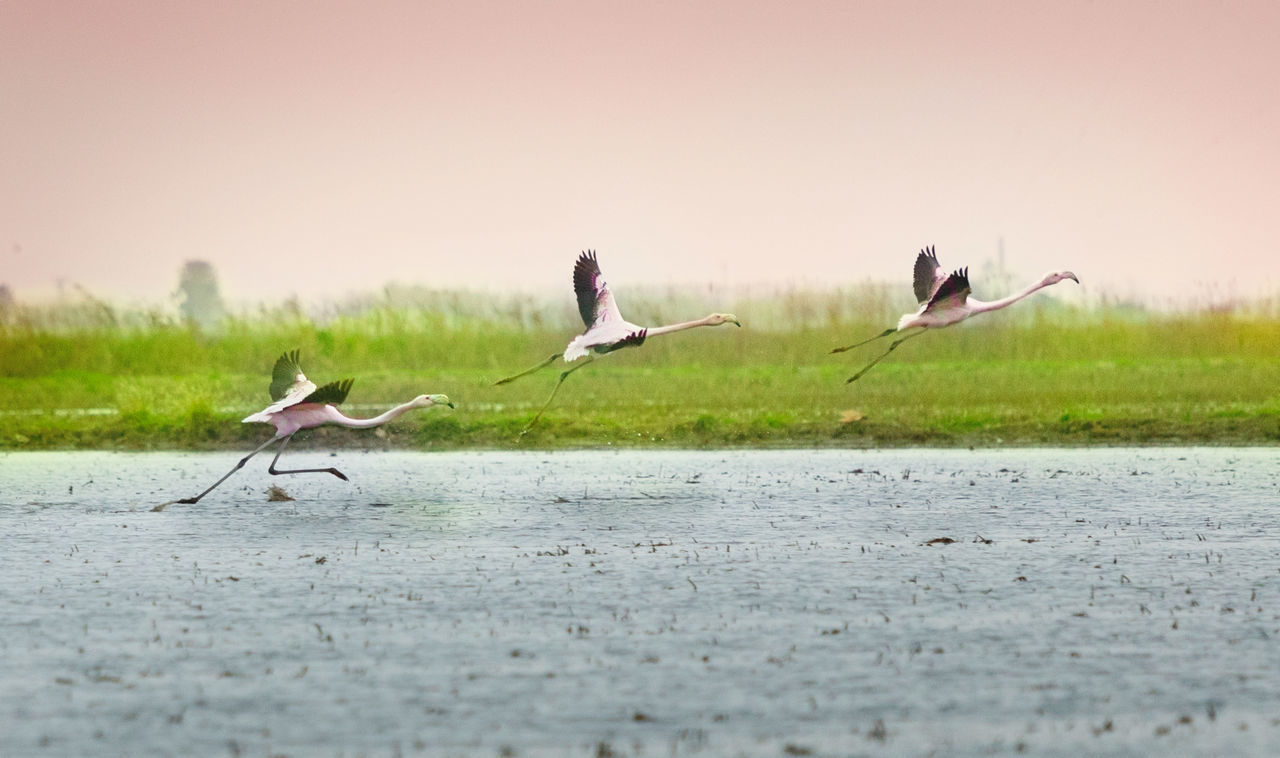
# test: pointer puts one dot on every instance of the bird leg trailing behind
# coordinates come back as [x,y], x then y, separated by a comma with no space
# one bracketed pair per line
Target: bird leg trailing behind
[237,467]
[892,346]
[284,441]
[528,371]
[564,375]
[885,333]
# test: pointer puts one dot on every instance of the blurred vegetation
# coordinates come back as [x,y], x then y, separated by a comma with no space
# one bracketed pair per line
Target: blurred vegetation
[84,373]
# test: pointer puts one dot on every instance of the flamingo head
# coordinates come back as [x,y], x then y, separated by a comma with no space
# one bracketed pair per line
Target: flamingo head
[1058,276]
[426,401]
[716,319]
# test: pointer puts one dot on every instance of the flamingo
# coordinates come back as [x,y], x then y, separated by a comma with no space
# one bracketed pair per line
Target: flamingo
[298,405]
[607,330]
[944,300]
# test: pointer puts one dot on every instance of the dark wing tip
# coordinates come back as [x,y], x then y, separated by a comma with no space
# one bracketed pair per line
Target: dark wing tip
[922,278]
[289,358]
[956,285]
[586,262]
[585,273]
[332,393]
[635,339]
[283,373]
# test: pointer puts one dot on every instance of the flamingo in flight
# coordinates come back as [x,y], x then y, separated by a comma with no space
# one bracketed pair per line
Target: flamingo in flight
[607,330]
[944,300]
[298,405]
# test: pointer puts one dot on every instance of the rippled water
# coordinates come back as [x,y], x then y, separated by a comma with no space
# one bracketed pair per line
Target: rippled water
[644,603]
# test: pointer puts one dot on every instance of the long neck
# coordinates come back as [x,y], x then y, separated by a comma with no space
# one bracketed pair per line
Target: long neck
[656,330]
[979,306]
[369,423]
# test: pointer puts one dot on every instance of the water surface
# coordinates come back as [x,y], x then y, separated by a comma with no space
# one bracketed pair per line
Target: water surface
[644,603]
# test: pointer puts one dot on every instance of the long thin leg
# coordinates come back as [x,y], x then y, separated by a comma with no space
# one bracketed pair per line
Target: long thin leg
[885,333]
[238,466]
[892,346]
[272,468]
[554,390]
[526,372]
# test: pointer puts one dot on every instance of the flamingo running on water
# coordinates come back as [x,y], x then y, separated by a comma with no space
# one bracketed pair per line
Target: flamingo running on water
[299,405]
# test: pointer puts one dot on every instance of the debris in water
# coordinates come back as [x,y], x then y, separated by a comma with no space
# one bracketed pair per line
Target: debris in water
[277,495]
[878,732]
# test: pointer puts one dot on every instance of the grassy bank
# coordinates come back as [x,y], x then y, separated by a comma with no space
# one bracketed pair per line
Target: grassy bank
[1046,376]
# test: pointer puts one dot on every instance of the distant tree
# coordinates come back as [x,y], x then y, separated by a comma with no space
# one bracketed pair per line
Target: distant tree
[201,303]
[7,304]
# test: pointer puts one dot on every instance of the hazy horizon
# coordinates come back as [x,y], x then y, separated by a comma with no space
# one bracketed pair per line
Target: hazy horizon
[321,149]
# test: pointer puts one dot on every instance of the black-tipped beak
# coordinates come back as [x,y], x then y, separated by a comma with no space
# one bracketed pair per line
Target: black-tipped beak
[451,405]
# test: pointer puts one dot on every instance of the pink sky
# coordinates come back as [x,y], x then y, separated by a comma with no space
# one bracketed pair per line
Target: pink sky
[319,148]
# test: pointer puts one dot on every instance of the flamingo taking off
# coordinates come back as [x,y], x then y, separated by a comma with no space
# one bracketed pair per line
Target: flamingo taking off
[298,405]
[607,330]
[944,300]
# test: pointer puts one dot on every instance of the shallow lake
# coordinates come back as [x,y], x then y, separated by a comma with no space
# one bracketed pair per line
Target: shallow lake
[1062,602]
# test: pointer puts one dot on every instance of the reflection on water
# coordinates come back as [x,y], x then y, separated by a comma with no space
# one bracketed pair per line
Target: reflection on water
[733,602]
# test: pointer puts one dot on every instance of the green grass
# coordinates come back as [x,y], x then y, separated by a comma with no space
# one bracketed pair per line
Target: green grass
[1046,375]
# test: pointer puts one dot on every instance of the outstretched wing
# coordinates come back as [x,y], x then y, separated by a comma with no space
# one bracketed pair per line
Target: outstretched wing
[333,392]
[285,375]
[928,275]
[289,386]
[595,302]
[953,291]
